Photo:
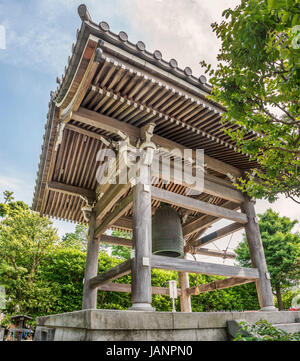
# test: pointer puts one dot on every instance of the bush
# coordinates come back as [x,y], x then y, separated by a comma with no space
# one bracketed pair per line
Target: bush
[262,330]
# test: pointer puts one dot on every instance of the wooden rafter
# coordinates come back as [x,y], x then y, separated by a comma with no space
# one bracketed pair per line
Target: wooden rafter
[114,126]
[71,190]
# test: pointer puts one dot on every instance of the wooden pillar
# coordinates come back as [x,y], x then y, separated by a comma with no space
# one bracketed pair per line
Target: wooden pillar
[89,299]
[141,290]
[185,298]
[263,284]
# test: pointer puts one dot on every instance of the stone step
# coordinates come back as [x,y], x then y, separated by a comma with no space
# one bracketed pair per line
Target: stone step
[288,327]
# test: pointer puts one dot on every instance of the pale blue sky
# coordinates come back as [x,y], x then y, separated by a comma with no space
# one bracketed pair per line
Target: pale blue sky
[39,36]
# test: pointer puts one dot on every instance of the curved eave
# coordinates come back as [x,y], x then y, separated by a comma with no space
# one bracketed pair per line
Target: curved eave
[87,38]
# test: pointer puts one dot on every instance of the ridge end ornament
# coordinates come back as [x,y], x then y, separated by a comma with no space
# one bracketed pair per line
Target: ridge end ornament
[84,13]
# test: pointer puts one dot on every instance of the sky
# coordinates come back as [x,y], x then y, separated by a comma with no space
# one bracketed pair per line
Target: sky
[38,40]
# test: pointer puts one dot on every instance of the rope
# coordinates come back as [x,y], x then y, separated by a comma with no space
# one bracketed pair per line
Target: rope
[225,252]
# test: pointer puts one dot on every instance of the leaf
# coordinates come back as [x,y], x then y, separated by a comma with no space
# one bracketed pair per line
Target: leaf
[296,20]
[271,4]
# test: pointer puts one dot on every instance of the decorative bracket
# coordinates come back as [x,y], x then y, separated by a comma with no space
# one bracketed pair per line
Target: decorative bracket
[60,131]
[88,208]
[147,145]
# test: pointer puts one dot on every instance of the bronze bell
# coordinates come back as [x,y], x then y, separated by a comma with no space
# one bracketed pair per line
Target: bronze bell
[167,238]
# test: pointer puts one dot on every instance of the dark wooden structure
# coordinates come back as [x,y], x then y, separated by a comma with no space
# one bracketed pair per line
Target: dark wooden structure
[20,328]
[113,90]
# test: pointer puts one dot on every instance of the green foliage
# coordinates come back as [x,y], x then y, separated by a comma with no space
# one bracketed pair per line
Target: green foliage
[258,81]
[63,268]
[264,331]
[287,298]
[8,196]
[25,239]
[239,298]
[282,251]
[6,208]
[121,251]
[77,239]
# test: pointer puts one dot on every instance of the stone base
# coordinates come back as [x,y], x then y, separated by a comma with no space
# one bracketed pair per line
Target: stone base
[141,307]
[269,308]
[112,325]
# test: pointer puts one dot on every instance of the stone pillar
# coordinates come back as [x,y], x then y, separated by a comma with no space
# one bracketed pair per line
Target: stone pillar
[263,284]
[141,289]
[89,299]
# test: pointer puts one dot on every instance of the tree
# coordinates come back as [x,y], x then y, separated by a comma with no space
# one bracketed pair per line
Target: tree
[77,239]
[25,239]
[257,80]
[8,196]
[121,251]
[282,251]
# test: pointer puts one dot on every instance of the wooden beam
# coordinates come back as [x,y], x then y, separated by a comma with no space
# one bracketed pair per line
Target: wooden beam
[72,190]
[121,287]
[213,253]
[110,218]
[221,191]
[116,240]
[88,133]
[211,184]
[196,205]
[218,285]
[204,221]
[109,199]
[214,236]
[106,123]
[203,251]
[124,222]
[115,126]
[184,265]
[118,271]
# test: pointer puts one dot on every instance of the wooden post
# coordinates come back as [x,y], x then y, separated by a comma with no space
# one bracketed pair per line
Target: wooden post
[185,297]
[263,284]
[89,299]
[141,291]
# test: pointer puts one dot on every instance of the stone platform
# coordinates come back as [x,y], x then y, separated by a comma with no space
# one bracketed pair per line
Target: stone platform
[111,325]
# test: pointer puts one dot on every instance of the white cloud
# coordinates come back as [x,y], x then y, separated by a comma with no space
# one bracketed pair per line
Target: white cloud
[35,36]
[180,29]
[40,37]
[22,189]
